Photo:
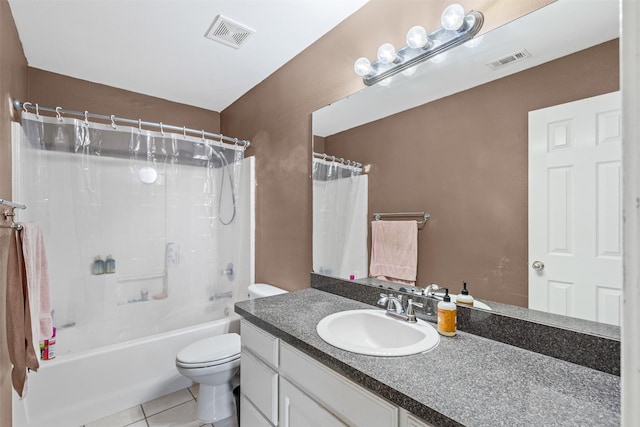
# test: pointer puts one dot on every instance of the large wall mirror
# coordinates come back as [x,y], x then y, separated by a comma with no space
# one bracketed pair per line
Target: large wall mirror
[452,140]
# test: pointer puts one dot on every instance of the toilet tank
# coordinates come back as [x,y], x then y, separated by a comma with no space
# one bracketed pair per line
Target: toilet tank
[259,290]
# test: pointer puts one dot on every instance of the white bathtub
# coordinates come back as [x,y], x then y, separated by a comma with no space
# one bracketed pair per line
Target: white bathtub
[78,388]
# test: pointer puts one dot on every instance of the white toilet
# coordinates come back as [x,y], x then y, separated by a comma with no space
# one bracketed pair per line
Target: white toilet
[213,362]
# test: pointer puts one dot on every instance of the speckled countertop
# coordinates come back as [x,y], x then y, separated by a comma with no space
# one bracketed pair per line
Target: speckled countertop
[466,380]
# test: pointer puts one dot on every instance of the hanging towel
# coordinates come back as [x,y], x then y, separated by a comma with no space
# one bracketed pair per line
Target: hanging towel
[394,251]
[35,262]
[18,317]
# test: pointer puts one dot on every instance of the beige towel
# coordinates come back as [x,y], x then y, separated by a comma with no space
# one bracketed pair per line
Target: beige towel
[394,251]
[19,340]
[35,262]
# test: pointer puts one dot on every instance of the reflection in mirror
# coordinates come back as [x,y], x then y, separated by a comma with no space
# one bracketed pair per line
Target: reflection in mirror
[452,140]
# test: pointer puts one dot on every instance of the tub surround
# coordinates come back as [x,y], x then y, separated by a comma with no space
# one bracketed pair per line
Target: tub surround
[582,342]
[466,380]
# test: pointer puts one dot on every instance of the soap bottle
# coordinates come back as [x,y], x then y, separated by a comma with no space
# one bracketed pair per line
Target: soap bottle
[110,265]
[464,298]
[98,266]
[446,315]
[51,353]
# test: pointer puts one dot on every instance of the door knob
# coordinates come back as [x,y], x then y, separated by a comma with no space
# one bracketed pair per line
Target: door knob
[537,265]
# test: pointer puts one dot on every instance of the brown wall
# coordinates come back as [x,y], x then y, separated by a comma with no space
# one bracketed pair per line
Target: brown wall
[13,83]
[276,117]
[51,90]
[463,159]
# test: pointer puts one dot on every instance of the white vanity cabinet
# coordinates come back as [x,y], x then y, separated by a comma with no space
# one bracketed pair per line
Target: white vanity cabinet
[283,387]
[258,377]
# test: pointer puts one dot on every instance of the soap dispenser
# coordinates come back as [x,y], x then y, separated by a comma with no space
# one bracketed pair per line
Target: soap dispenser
[110,265]
[447,315]
[98,266]
[464,298]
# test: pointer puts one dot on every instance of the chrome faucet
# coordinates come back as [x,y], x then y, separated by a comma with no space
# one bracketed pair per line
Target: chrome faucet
[395,308]
[432,289]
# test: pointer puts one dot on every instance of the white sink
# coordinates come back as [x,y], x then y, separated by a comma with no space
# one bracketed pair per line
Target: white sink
[374,333]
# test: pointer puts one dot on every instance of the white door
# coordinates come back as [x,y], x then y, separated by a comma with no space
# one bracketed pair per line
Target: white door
[575,209]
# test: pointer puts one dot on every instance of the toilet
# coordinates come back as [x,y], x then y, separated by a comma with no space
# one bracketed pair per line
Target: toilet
[213,362]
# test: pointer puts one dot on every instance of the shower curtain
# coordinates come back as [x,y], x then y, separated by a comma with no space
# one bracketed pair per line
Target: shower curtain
[339,219]
[139,225]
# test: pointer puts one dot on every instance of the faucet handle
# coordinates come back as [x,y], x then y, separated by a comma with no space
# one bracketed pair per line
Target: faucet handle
[383,299]
[410,312]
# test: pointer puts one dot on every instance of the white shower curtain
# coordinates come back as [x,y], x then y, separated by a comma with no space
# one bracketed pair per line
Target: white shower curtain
[162,205]
[339,220]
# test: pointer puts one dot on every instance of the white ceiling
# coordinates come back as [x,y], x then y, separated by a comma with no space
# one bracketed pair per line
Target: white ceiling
[158,48]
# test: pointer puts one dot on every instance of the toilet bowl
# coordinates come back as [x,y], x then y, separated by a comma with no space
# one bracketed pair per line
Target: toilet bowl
[213,362]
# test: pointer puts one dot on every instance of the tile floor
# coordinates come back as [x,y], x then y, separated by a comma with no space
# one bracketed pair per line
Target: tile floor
[175,410]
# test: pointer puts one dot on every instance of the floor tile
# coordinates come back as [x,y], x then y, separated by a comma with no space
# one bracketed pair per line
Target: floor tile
[120,419]
[166,402]
[142,423]
[194,389]
[180,416]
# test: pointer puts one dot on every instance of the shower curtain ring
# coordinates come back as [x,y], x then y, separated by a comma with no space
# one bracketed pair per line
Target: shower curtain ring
[37,112]
[161,129]
[113,121]
[203,135]
[221,139]
[58,114]
[184,131]
[324,156]
[86,118]
[236,141]
[24,106]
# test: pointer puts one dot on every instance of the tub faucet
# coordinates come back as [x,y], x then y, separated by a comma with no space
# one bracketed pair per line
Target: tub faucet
[220,295]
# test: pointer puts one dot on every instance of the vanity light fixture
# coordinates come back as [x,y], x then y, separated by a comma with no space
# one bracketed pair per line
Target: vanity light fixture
[457,28]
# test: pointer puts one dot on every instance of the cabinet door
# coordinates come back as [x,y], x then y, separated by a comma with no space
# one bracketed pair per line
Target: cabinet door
[299,410]
[250,416]
[259,384]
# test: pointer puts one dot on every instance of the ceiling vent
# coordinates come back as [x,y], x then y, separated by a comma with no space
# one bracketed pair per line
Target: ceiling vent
[509,59]
[228,32]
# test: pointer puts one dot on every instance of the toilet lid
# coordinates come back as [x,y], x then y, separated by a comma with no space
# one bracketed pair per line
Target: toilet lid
[211,349]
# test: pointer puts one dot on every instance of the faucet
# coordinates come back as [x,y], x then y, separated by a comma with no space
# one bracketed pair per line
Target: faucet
[220,295]
[432,289]
[396,310]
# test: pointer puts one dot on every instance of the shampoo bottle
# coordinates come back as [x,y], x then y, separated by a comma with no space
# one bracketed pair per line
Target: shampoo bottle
[98,266]
[446,316]
[464,297]
[110,265]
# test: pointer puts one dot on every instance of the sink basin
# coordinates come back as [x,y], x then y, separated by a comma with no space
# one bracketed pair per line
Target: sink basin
[374,333]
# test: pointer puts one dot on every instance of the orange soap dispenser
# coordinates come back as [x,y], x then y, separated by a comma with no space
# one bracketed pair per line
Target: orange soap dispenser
[447,315]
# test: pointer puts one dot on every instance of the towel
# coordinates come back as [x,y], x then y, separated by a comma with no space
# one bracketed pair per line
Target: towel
[18,317]
[35,262]
[394,251]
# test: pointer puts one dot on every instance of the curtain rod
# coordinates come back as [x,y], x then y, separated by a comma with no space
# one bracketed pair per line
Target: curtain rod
[58,110]
[337,159]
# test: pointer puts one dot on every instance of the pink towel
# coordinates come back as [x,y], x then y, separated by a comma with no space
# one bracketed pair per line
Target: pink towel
[35,261]
[394,251]
[20,345]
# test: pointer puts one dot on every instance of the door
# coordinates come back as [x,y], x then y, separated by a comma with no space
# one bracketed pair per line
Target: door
[575,209]
[298,410]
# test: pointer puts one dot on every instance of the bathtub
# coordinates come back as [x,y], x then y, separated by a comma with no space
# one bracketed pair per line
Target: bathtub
[77,388]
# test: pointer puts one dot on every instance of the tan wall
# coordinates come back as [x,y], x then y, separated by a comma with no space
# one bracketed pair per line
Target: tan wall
[465,163]
[276,117]
[51,90]
[13,83]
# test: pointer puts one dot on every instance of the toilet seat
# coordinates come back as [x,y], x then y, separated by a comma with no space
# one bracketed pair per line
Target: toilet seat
[210,352]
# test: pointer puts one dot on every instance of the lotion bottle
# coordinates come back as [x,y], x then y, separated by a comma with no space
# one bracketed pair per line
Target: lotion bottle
[464,298]
[446,316]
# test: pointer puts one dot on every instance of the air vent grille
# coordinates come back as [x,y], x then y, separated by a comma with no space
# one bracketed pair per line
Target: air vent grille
[509,59]
[229,32]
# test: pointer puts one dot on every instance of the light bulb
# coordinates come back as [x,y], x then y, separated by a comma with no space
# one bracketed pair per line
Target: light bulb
[474,42]
[417,37]
[362,67]
[410,71]
[386,53]
[453,17]
[386,82]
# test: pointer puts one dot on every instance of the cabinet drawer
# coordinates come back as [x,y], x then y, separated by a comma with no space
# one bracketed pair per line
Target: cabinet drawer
[259,384]
[250,416]
[260,343]
[347,400]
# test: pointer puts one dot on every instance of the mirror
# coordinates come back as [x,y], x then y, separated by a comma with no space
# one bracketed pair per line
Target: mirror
[451,140]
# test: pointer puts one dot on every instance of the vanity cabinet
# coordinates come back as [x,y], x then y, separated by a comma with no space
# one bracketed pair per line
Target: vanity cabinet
[283,387]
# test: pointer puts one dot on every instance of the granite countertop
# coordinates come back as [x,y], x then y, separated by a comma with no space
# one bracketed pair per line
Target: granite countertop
[466,380]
